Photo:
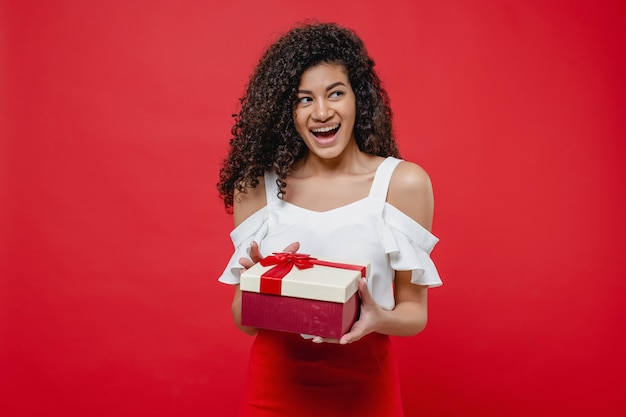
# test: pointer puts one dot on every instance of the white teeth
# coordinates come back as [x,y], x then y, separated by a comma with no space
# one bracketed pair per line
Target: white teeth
[325,129]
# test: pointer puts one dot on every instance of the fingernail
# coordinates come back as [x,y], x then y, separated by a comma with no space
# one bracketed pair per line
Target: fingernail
[317,339]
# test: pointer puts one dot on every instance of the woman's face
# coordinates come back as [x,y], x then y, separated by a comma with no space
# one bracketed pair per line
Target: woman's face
[326,110]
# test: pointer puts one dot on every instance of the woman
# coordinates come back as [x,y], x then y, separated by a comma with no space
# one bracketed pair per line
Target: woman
[313,166]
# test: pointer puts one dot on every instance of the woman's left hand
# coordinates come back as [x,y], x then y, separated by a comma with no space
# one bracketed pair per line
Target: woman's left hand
[369,319]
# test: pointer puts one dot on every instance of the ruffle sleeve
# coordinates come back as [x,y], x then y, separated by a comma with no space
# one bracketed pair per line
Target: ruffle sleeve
[254,228]
[408,246]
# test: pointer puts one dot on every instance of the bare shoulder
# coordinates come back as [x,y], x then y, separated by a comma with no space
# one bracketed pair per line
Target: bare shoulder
[409,176]
[248,203]
[411,192]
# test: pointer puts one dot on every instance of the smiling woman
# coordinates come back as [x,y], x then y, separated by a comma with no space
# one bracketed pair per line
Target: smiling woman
[326,110]
[313,166]
[110,239]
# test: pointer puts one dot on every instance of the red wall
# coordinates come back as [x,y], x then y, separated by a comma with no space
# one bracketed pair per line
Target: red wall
[116,114]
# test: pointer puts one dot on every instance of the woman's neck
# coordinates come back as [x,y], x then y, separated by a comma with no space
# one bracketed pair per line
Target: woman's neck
[351,161]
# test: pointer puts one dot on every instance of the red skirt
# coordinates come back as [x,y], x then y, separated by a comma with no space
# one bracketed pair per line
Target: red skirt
[291,376]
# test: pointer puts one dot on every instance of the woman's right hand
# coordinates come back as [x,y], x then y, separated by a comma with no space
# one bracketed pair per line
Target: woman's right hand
[255,256]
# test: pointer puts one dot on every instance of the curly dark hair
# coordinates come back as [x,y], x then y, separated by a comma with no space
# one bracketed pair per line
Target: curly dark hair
[264,133]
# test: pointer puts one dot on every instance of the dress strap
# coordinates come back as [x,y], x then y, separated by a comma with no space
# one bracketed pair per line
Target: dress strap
[382,178]
[271,192]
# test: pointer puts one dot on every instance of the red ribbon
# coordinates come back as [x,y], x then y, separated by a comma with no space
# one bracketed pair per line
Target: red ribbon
[271,280]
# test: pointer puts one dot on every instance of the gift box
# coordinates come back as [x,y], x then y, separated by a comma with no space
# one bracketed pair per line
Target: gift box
[297,293]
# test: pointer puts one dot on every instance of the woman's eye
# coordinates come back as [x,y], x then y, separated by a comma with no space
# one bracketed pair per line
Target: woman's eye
[336,94]
[304,100]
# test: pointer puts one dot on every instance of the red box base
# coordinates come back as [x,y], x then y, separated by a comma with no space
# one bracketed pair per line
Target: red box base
[298,315]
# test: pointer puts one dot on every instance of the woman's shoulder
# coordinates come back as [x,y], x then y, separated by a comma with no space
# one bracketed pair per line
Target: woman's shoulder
[408,176]
[245,204]
[410,191]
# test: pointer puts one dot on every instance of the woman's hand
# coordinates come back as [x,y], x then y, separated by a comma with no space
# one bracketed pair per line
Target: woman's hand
[255,256]
[408,317]
[369,319]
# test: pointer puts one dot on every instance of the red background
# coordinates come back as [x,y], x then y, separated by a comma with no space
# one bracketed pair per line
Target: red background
[115,117]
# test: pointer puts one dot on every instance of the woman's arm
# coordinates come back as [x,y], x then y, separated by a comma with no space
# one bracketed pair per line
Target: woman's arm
[245,205]
[411,192]
[236,311]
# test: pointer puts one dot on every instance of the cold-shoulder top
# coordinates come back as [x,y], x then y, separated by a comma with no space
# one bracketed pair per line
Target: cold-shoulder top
[368,229]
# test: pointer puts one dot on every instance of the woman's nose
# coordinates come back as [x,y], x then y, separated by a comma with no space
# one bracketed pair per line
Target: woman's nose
[322,111]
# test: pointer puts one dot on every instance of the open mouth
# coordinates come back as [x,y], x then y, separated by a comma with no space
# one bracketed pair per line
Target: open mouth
[325,132]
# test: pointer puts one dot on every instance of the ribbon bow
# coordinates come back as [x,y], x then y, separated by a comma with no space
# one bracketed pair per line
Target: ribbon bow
[300,260]
[271,280]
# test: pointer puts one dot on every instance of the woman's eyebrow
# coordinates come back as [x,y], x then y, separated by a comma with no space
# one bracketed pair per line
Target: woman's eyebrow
[330,87]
